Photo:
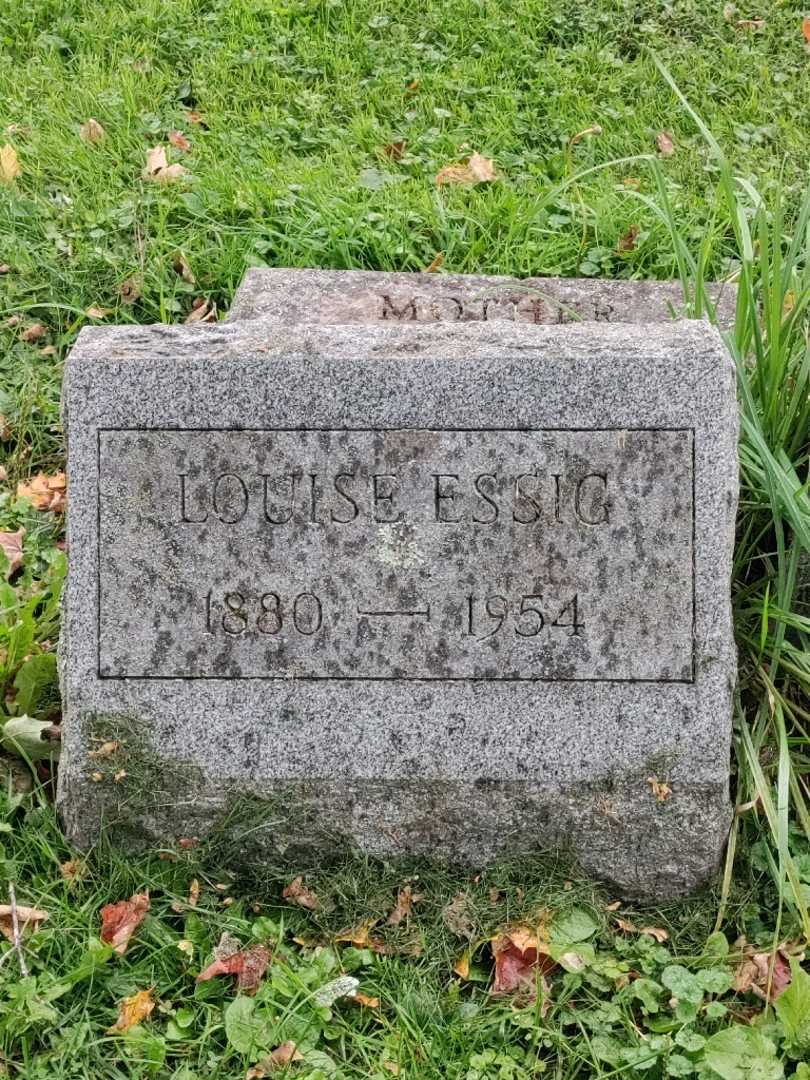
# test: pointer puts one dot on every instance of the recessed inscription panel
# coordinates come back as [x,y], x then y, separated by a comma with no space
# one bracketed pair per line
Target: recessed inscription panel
[396,554]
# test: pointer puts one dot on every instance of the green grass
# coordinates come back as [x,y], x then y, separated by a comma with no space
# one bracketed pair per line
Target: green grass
[298,103]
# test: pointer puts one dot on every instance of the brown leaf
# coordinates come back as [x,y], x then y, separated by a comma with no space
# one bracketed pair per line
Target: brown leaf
[359,935]
[120,921]
[457,917]
[45,492]
[395,150]
[10,167]
[754,973]
[130,290]
[476,170]
[193,893]
[179,141]
[297,893]
[656,932]
[364,999]
[665,144]
[158,170]
[91,131]
[49,350]
[132,1011]
[34,332]
[280,1058]
[403,909]
[106,750]
[248,965]
[195,117]
[181,267]
[5,429]
[806,30]
[632,182]
[28,918]
[627,242]
[73,870]
[155,161]
[660,788]
[750,24]
[11,544]
[3,474]
[96,312]
[391,1066]
[519,957]
[436,264]
[202,311]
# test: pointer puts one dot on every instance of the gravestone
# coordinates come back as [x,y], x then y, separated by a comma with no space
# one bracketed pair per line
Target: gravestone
[368,296]
[458,589]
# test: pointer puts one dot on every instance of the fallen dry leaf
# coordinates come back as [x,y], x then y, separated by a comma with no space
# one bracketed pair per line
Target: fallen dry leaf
[5,268]
[627,242]
[395,150]
[297,893]
[660,788]
[665,144]
[181,268]
[632,182]
[750,24]
[193,893]
[391,1066]
[158,170]
[806,30]
[436,264]
[462,965]
[28,918]
[403,908]
[97,777]
[754,973]
[49,350]
[45,492]
[194,117]
[34,332]
[179,141]
[656,932]
[73,870]
[3,474]
[457,917]
[120,921]
[476,170]
[96,312]
[132,1011]
[5,429]
[10,167]
[106,749]
[186,843]
[202,311]
[364,999]
[11,544]
[248,965]
[359,935]
[130,290]
[519,959]
[280,1058]
[91,131]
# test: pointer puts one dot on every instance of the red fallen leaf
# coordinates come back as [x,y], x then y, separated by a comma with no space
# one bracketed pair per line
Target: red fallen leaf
[395,150]
[297,893]
[753,974]
[34,332]
[248,965]
[806,29]
[179,141]
[518,959]
[120,921]
[627,242]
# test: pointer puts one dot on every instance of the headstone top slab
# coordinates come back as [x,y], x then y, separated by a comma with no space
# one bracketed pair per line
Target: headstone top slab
[366,296]
[451,589]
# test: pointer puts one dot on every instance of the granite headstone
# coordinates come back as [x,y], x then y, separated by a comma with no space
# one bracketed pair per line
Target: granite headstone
[458,589]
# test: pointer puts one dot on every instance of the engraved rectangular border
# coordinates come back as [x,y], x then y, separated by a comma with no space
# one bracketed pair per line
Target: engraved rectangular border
[378,678]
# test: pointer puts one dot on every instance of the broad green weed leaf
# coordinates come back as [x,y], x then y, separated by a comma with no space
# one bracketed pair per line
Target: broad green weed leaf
[245,1032]
[573,926]
[35,680]
[743,1053]
[793,1006]
[684,985]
